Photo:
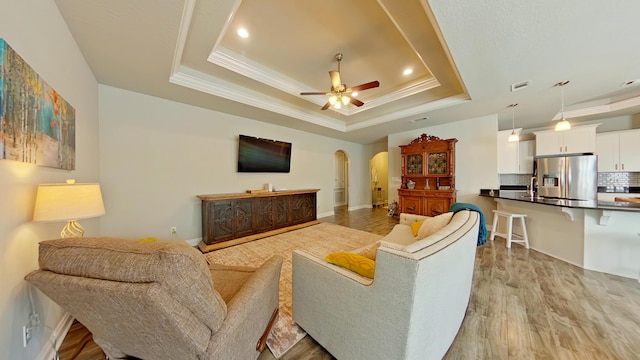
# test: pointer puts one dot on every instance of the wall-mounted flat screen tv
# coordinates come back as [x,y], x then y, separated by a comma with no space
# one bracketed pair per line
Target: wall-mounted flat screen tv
[263,155]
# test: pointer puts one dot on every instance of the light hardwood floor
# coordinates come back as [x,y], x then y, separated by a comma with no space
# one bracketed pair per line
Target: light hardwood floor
[524,305]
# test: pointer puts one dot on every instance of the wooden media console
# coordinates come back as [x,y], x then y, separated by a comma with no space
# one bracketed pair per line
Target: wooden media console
[231,219]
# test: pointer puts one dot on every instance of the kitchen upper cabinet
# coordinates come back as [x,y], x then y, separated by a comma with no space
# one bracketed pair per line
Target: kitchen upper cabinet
[514,157]
[618,151]
[578,140]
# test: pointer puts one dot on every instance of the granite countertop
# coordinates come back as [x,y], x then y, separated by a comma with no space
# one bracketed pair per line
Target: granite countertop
[520,195]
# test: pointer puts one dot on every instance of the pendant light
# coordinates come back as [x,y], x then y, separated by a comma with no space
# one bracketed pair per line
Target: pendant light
[514,136]
[563,124]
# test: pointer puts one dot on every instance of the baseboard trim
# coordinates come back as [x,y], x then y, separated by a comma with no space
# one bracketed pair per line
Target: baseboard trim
[325,214]
[193,242]
[58,334]
[366,206]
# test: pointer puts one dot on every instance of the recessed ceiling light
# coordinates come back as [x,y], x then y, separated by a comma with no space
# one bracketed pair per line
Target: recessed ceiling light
[243,33]
[407,71]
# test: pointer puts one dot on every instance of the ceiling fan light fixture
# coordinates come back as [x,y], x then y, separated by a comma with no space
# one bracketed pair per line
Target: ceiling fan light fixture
[563,124]
[340,94]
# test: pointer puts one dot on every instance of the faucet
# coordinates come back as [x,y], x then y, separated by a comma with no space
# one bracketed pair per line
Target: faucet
[531,189]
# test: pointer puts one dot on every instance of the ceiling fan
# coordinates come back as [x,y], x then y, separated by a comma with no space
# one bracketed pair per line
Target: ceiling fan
[340,94]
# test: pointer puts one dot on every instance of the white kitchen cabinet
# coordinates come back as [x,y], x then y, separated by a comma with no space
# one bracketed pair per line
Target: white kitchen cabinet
[514,157]
[618,151]
[526,153]
[578,140]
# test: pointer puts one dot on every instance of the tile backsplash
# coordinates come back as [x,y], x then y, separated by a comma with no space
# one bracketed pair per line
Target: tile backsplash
[515,179]
[605,179]
[614,179]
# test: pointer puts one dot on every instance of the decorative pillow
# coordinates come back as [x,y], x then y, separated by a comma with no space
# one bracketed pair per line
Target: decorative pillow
[370,251]
[354,262]
[148,239]
[415,227]
[433,224]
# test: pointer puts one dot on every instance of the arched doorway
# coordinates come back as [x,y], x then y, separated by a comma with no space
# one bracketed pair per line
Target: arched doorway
[379,165]
[341,179]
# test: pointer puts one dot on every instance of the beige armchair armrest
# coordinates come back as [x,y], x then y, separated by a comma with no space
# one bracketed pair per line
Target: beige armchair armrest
[248,311]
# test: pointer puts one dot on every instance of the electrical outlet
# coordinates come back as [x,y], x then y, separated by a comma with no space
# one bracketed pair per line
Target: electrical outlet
[26,334]
[174,230]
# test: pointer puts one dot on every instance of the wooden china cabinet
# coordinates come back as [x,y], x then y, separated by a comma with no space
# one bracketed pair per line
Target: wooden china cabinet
[429,162]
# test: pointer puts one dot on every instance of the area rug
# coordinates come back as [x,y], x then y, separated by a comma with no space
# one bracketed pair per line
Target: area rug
[319,240]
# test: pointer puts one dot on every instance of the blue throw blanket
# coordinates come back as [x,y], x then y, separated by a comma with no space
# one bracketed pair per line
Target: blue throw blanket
[482,231]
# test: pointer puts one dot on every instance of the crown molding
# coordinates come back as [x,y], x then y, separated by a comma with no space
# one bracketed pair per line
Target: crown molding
[234,62]
[600,109]
[414,111]
[233,92]
[183,32]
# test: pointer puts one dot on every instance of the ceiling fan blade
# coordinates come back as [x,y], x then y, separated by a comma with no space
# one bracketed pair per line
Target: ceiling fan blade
[313,93]
[336,83]
[326,106]
[356,102]
[366,86]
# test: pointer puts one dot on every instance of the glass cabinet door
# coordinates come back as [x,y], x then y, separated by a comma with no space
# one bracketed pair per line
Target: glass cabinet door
[414,164]
[437,163]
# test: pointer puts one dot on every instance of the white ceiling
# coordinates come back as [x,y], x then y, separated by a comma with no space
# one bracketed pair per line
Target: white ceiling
[465,55]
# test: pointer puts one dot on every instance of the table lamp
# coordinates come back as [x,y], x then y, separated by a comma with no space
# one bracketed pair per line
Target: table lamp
[71,202]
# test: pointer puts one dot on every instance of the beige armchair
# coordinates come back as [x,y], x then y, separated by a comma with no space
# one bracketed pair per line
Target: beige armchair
[411,309]
[160,300]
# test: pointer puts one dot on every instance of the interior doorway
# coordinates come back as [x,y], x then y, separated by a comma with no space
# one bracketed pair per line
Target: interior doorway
[341,179]
[379,165]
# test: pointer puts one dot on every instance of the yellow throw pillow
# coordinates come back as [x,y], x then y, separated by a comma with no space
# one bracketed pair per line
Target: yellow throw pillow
[433,224]
[370,251]
[415,227]
[148,239]
[354,262]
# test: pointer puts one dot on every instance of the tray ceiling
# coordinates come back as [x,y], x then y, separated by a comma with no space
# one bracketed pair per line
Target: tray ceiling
[463,55]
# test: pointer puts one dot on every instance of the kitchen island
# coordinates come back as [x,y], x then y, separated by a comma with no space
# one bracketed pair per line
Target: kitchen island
[602,236]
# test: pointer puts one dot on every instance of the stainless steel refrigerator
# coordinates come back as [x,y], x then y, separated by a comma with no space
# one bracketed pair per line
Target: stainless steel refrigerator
[567,177]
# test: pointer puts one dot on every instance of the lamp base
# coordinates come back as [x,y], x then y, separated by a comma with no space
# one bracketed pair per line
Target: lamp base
[73,229]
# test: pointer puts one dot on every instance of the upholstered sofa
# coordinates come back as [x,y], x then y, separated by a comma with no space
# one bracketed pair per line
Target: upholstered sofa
[160,300]
[413,306]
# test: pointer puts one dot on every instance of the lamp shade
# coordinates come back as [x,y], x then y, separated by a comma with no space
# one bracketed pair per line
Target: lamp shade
[57,202]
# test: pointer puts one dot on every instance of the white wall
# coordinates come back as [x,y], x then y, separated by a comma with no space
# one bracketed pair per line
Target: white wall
[157,155]
[36,31]
[476,157]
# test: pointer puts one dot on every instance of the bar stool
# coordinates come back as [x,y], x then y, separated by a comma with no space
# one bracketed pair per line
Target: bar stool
[509,235]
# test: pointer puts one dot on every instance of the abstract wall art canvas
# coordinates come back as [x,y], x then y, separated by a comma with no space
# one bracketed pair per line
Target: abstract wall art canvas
[37,125]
